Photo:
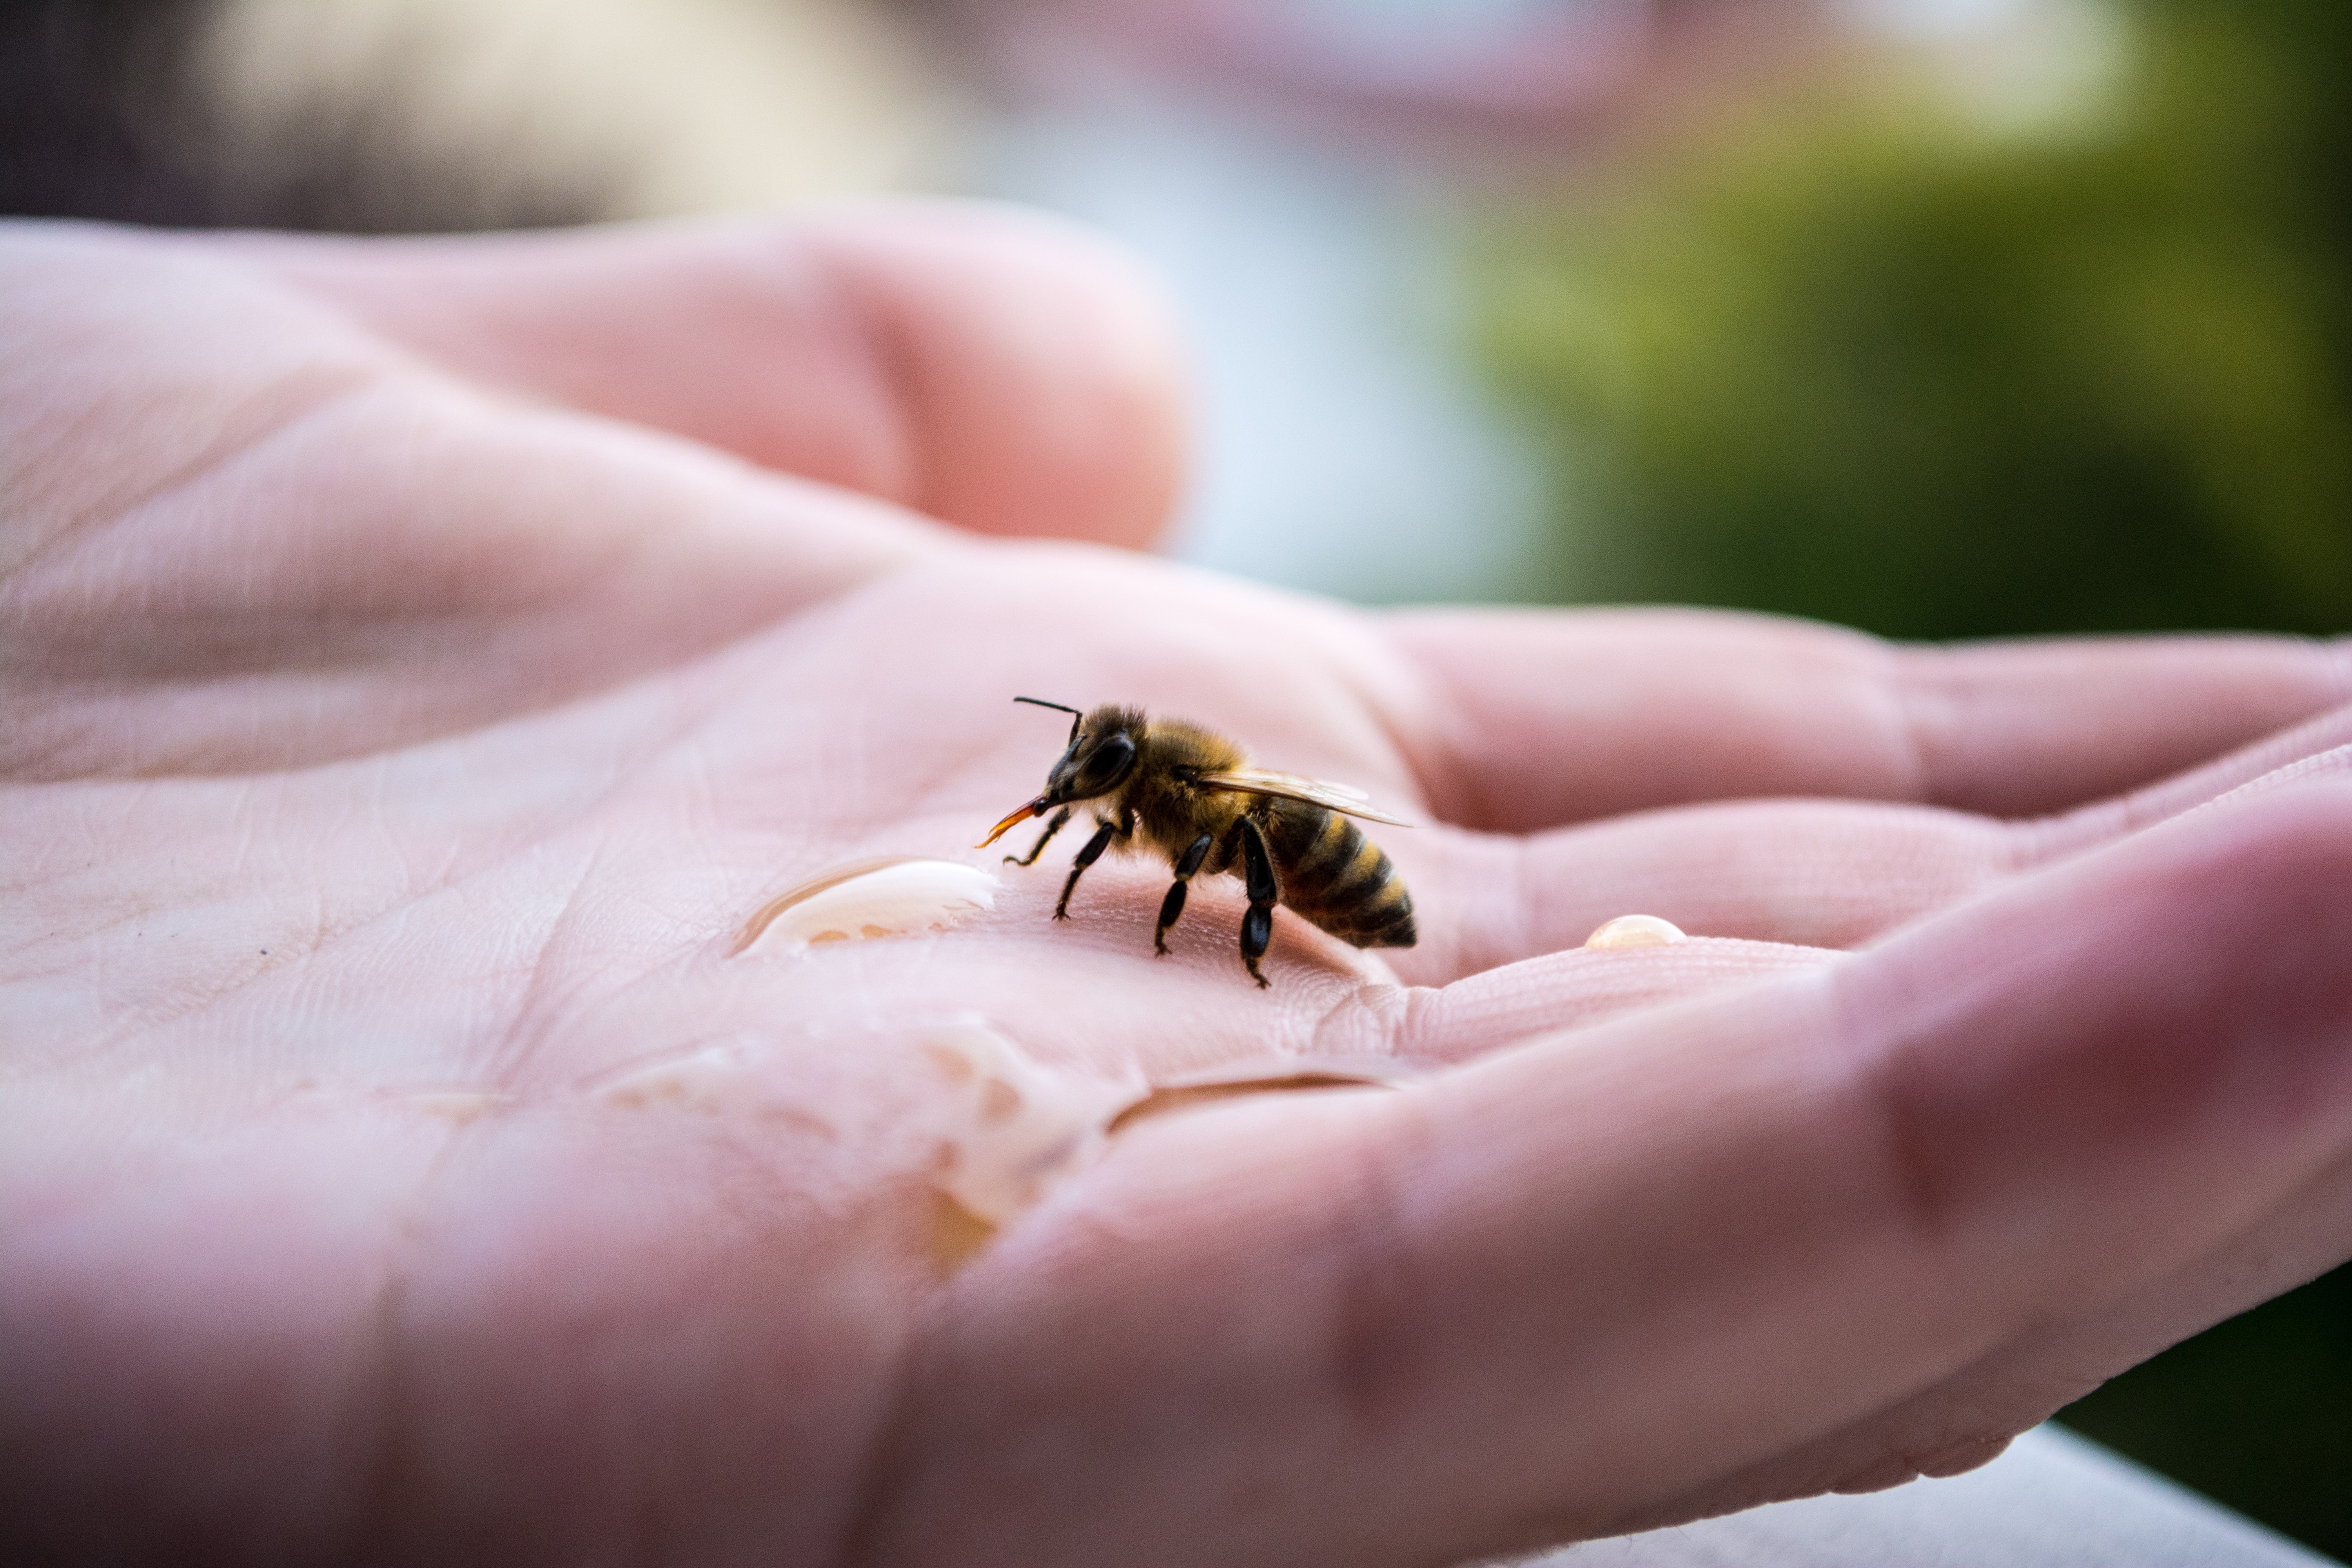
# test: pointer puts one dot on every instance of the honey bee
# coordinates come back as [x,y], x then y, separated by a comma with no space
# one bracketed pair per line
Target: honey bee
[1179,790]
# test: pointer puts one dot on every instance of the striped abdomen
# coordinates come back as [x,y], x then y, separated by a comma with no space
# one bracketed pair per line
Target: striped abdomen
[1334,876]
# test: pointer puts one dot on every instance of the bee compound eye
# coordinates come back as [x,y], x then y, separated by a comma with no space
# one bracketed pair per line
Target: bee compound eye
[1110,762]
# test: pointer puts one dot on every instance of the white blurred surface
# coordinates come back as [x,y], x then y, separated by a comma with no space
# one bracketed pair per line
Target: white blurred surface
[2053,1500]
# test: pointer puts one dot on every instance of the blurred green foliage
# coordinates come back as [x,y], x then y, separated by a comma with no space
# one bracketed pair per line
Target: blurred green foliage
[1860,355]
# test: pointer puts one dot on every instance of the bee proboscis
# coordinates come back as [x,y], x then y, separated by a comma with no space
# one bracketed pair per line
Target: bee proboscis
[1188,793]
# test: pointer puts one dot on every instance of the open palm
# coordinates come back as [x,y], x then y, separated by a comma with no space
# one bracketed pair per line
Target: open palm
[420,659]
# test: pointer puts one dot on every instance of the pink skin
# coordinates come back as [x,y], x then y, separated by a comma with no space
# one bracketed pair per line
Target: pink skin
[418,657]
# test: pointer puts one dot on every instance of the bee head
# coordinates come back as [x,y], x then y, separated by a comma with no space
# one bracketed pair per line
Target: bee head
[1101,754]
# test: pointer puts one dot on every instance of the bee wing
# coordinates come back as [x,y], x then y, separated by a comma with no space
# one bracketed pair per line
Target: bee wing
[1293,786]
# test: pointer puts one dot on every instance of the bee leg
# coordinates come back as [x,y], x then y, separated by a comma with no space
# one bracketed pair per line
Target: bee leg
[1257,925]
[1086,856]
[1060,818]
[1173,904]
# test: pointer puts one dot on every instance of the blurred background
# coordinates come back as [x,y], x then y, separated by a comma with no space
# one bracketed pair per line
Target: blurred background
[1939,317]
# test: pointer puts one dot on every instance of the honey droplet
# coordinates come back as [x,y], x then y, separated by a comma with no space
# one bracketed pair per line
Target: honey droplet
[1636,931]
[898,895]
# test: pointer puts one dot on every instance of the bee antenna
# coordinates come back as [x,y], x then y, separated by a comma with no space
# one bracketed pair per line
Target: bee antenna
[1064,706]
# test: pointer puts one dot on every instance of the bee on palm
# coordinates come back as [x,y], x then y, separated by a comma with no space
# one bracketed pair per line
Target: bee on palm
[1169,788]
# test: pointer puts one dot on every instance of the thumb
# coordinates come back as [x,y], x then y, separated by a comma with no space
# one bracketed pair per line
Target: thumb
[1000,370]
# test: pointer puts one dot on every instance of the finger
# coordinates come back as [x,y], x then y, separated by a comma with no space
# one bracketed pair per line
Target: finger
[1565,1283]
[1822,874]
[2321,749]
[1968,1418]
[1815,874]
[1531,720]
[998,370]
[1569,990]
[1485,1007]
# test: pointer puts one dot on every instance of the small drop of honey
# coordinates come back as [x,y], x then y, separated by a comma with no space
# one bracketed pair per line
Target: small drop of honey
[1635,930]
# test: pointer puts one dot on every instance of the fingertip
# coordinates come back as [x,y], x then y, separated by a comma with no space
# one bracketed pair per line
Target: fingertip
[1042,361]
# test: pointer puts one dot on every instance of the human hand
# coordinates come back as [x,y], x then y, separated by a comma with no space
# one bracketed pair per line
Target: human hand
[408,698]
